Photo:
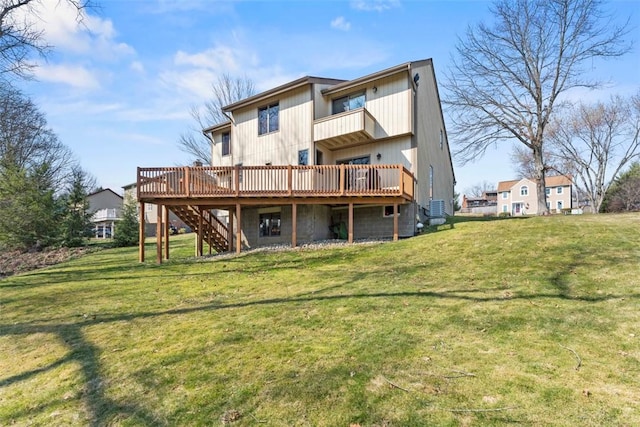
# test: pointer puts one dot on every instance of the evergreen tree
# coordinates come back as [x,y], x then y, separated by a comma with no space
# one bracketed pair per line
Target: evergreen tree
[624,193]
[75,220]
[127,231]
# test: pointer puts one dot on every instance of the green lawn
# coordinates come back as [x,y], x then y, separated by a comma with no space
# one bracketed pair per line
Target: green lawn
[529,321]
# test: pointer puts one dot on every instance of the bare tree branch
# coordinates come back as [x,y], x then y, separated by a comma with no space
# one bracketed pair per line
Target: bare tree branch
[225,90]
[20,39]
[506,79]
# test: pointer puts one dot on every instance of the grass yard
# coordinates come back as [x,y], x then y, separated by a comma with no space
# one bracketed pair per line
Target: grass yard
[529,321]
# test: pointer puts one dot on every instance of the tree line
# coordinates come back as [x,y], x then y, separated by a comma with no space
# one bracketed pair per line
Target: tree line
[43,188]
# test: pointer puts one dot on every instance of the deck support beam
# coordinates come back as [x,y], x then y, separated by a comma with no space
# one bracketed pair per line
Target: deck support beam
[141,236]
[166,232]
[294,224]
[159,234]
[238,228]
[230,231]
[200,232]
[395,221]
[350,240]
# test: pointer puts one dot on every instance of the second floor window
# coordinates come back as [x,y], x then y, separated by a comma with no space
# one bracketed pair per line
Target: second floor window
[303,157]
[505,194]
[559,190]
[348,103]
[547,191]
[268,119]
[226,144]
[524,190]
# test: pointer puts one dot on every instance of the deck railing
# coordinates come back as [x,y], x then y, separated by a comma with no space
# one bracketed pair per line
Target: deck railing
[275,181]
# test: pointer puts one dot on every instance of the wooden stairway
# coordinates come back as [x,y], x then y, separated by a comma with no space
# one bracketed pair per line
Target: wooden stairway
[214,232]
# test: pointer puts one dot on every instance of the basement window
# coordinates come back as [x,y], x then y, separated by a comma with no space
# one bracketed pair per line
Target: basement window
[270,224]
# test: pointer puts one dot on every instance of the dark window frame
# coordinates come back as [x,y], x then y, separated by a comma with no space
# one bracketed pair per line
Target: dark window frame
[346,102]
[269,118]
[269,224]
[226,144]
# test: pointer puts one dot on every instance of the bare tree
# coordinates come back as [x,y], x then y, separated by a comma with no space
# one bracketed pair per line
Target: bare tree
[506,79]
[480,188]
[20,39]
[598,141]
[225,90]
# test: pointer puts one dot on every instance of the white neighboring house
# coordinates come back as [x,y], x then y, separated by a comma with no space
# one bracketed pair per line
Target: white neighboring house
[520,197]
[106,207]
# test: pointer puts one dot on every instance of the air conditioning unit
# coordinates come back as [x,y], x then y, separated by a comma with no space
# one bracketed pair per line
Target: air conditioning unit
[436,209]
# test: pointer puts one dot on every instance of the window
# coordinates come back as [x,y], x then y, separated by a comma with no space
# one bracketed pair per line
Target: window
[303,157]
[559,205]
[505,194]
[387,211]
[547,191]
[226,144]
[548,204]
[149,207]
[268,119]
[319,158]
[270,224]
[505,208]
[348,103]
[559,190]
[524,190]
[441,139]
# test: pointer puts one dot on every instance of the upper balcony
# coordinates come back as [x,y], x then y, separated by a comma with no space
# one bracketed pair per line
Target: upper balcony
[345,129]
[106,215]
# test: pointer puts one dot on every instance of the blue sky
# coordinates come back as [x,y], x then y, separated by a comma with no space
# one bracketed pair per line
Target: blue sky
[117,90]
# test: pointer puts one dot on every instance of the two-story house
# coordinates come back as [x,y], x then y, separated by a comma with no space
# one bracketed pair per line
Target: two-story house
[106,209]
[520,197]
[319,158]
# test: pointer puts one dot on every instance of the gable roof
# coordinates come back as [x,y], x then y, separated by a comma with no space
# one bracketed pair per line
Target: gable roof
[550,181]
[102,191]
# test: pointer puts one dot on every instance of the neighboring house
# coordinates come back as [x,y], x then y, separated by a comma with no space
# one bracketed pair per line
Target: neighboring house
[106,209]
[520,197]
[320,158]
[151,213]
[485,204]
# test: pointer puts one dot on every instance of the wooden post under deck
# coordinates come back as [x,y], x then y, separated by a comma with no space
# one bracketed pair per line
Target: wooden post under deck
[395,221]
[200,232]
[230,233]
[294,225]
[159,234]
[238,228]
[350,223]
[166,232]
[141,228]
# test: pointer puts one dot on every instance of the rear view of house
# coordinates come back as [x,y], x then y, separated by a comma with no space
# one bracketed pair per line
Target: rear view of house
[319,158]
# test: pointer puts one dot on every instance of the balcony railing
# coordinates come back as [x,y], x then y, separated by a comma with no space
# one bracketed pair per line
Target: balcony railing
[345,129]
[106,215]
[275,181]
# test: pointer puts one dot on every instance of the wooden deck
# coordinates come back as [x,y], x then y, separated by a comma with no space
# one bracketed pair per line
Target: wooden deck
[190,192]
[227,185]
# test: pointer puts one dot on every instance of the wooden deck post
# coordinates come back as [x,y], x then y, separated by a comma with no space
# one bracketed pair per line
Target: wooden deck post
[342,179]
[395,221]
[289,179]
[159,234]
[350,223]
[166,232]
[200,232]
[294,225]
[230,231]
[141,237]
[238,228]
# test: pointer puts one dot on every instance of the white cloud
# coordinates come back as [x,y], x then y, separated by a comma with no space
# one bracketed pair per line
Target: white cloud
[341,24]
[374,5]
[137,67]
[86,35]
[76,76]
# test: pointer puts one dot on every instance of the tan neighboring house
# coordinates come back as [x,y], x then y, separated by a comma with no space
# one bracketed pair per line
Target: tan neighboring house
[319,158]
[520,197]
[151,213]
[106,209]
